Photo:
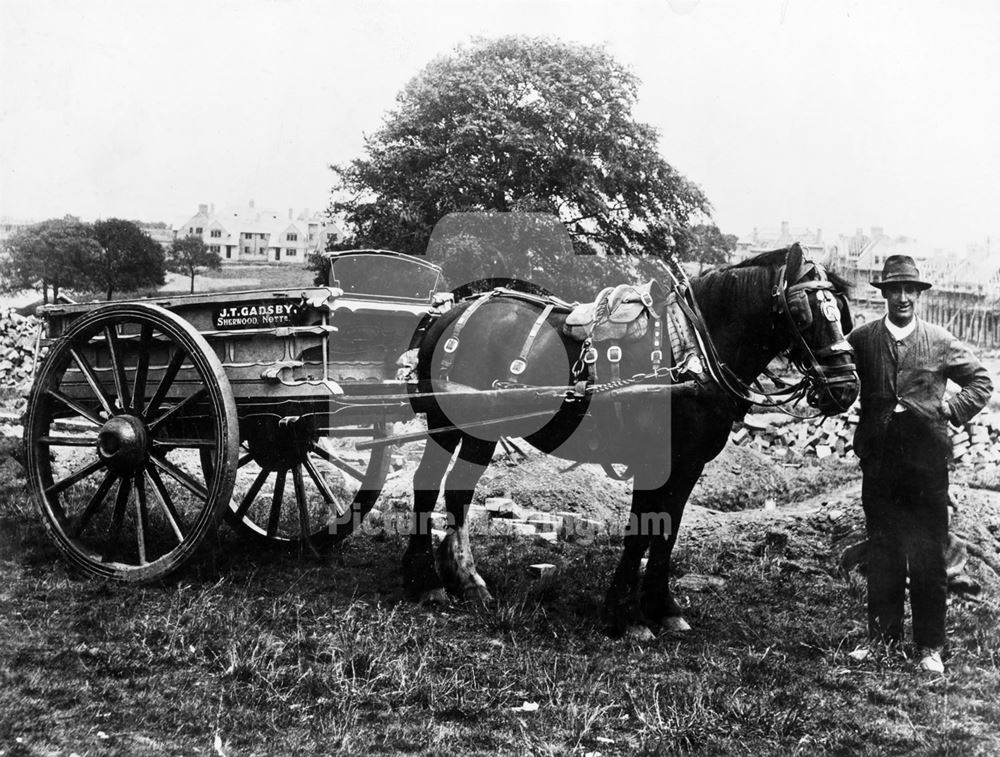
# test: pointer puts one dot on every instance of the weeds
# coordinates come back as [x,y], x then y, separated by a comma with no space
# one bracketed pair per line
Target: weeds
[252,655]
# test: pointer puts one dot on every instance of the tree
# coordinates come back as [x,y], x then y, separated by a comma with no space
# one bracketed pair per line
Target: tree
[58,253]
[128,257]
[708,246]
[518,124]
[190,255]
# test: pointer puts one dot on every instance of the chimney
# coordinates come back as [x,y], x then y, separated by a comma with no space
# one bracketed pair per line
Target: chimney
[203,210]
[784,228]
[289,214]
[859,232]
[251,204]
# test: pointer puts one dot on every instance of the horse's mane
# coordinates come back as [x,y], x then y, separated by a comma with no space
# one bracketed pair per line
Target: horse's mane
[747,282]
[750,279]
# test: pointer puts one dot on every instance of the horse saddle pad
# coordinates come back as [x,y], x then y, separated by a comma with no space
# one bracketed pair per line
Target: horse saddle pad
[619,313]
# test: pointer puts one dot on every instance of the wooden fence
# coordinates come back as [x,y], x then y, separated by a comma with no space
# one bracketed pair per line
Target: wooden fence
[972,318]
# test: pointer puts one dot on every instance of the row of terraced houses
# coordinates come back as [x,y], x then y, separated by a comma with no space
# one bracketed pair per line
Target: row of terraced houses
[859,257]
[247,234]
[240,234]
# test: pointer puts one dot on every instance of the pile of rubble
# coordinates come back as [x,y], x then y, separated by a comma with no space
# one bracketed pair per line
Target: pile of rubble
[788,439]
[17,348]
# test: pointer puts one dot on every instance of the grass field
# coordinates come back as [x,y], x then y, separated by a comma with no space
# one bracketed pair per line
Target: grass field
[250,653]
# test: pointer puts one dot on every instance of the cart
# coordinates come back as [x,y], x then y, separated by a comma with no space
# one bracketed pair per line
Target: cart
[149,421]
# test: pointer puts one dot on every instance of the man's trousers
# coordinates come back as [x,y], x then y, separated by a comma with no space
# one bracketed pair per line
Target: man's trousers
[905,499]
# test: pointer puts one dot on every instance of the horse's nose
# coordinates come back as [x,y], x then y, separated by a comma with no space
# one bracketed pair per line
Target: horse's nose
[838,398]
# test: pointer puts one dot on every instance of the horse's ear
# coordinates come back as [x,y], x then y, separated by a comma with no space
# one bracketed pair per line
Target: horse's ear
[793,263]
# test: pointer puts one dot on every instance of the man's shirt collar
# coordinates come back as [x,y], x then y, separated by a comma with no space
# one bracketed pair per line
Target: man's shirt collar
[900,333]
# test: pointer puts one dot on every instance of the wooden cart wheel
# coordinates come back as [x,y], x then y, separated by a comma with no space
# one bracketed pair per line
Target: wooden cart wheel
[122,406]
[332,485]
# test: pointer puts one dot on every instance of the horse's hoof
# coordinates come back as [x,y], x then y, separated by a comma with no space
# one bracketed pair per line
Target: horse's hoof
[478,594]
[434,598]
[639,633]
[676,623]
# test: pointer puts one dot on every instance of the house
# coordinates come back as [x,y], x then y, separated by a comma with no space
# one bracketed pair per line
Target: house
[766,239]
[859,258]
[247,234]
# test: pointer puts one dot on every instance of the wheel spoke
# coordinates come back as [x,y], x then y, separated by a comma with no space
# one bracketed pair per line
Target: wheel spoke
[180,476]
[93,504]
[279,491]
[251,494]
[75,477]
[142,367]
[321,484]
[300,498]
[118,516]
[163,497]
[74,405]
[165,383]
[337,462]
[68,441]
[141,518]
[117,369]
[191,398]
[91,377]
[168,444]
[247,458]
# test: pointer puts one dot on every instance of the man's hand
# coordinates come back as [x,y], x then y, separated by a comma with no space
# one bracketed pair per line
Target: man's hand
[945,410]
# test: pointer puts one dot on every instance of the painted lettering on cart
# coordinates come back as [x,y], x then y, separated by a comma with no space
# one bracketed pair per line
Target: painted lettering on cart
[261,315]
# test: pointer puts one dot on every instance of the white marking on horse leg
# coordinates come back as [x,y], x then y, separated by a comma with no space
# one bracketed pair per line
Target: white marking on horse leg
[458,567]
[676,623]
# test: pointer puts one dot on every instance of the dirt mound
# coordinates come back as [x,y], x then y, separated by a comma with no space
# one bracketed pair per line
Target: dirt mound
[806,514]
[739,478]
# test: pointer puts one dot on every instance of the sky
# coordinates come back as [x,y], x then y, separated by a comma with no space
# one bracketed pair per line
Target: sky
[839,114]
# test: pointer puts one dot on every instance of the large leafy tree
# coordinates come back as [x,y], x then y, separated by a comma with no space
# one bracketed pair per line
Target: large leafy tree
[54,254]
[190,255]
[128,257]
[707,245]
[518,124]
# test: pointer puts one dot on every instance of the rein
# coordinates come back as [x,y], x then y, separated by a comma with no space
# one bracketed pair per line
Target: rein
[724,377]
[787,300]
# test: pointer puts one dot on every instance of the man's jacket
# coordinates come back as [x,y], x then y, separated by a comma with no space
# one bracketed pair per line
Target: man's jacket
[913,373]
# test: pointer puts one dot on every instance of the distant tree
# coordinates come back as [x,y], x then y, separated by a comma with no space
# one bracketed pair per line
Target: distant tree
[518,124]
[190,255]
[56,254]
[128,258]
[707,246]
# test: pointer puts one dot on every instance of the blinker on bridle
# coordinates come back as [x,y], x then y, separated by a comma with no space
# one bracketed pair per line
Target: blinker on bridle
[793,302]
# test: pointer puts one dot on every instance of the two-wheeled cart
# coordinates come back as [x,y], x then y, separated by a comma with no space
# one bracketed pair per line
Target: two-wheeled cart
[149,421]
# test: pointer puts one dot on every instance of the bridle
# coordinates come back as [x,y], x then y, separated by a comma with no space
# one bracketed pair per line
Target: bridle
[793,302]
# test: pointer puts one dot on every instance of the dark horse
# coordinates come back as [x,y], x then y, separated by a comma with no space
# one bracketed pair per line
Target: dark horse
[753,311]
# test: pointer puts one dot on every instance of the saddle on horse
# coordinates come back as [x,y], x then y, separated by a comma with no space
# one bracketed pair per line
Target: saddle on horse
[625,313]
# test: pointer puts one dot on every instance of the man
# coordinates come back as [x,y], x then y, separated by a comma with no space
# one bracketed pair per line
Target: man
[902,439]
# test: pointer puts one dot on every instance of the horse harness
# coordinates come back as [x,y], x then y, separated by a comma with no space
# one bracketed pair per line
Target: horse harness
[626,312]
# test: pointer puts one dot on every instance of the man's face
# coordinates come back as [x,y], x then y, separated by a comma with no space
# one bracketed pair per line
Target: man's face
[901,299]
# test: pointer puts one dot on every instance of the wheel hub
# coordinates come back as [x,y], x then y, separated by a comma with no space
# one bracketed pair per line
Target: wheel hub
[123,444]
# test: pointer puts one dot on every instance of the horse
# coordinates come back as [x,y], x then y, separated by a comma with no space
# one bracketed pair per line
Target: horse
[776,302]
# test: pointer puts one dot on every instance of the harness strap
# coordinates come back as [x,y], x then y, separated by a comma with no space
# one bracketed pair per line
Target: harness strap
[451,343]
[656,355]
[520,363]
[615,358]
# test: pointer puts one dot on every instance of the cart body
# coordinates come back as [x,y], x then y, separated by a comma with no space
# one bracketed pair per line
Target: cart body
[164,414]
